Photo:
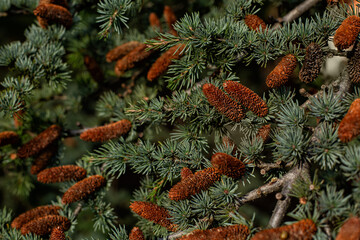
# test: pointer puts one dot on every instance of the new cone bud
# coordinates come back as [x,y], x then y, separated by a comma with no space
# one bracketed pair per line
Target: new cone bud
[83,189]
[53,13]
[57,234]
[43,226]
[350,230]
[107,132]
[120,51]
[194,184]
[347,33]
[228,165]
[40,142]
[223,103]
[254,22]
[161,64]
[61,174]
[8,137]
[238,232]
[349,127]
[34,213]
[282,72]
[154,213]
[246,97]
[136,234]
[304,230]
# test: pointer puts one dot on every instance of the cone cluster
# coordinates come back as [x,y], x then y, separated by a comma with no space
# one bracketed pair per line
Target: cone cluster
[34,213]
[254,22]
[107,132]
[44,225]
[40,142]
[53,11]
[93,68]
[129,54]
[347,33]
[350,230]
[304,229]
[282,72]
[154,213]
[349,127]
[61,174]
[136,234]
[312,63]
[239,232]
[223,103]
[83,189]
[8,137]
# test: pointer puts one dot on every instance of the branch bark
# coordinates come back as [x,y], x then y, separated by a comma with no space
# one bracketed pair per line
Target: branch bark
[296,12]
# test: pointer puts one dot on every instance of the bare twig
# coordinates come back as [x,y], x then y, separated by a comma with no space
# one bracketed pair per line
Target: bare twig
[296,12]
[74,132]
[283,204]
[77,209]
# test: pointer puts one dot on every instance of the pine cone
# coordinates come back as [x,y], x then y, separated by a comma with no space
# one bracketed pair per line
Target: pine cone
[83,189]
[154,213]
[238,232]
[350,230]
[107,132]
[302,230]
[61,174]
[54,14]
[8,137]
[223,103]
[354,64]
[347,33]
[254,22]
[57,234]
[161,64]
[120,51]
[136,234]
[155,21]
[34,213]
[312,63]
[40,142]
[170,19]
[42,160]
[246,97]
[194,184]
[264,132]
[44,225]
[136,55]
[349,127]
[282,72]
[228,165]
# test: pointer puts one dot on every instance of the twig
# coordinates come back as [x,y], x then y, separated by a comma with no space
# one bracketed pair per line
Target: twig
[283,204]
[261,191]
[74,132]
[77,209]
[20,11]
[296,12]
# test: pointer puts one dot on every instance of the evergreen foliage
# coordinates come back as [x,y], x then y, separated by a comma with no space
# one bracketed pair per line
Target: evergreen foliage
[175,126]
